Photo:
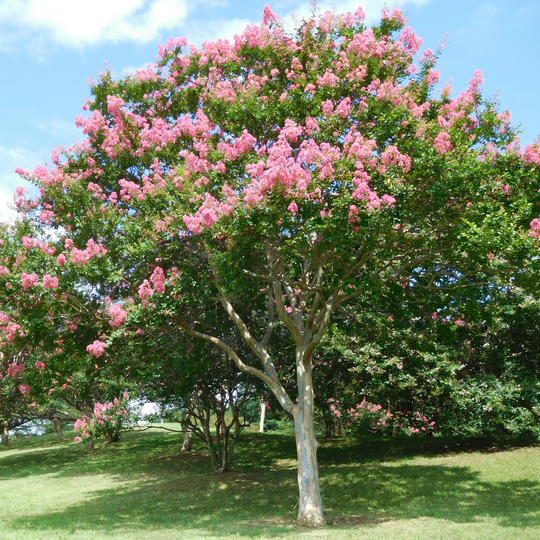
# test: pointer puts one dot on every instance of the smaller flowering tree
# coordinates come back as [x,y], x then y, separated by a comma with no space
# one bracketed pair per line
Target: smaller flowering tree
[15,407]
[108,421]
[366,416]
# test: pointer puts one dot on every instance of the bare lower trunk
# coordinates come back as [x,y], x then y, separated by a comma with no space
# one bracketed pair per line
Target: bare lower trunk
[5,435]
[90,448]
[112,437]
[310,511]
[263,415]
[58,429]
[186,433]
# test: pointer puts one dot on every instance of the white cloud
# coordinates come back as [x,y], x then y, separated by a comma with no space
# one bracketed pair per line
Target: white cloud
[78,23]
[10,159]
[61,130]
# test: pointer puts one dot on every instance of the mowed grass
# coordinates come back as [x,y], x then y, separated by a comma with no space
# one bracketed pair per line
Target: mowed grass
[375,488]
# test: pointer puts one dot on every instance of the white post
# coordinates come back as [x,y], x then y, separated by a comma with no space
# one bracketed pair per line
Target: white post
[263,414]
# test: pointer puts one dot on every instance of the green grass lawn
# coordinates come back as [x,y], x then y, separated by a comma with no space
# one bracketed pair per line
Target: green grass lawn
[376,488]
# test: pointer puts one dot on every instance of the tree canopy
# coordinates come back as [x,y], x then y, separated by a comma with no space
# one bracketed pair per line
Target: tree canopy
[275,180]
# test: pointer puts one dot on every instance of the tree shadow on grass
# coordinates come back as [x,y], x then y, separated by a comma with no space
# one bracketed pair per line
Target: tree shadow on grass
[135,450]
[162,488]
[456,494]
[367,449]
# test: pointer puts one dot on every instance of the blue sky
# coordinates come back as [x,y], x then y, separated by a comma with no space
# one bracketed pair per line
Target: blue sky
[50,48]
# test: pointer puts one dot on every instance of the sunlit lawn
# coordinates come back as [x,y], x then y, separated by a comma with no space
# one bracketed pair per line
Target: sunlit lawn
[143,488]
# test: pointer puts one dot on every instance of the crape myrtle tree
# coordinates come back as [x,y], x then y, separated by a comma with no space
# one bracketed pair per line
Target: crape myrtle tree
[15,408]
[45,329]
[295,172]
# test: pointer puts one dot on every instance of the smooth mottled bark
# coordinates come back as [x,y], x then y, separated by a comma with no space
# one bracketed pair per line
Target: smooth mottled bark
[186,433]
[90,448]
[310,510]
[5,435]
[58,428]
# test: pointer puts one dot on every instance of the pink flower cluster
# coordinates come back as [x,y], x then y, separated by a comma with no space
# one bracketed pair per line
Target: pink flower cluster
[442,143]
[29,243]
[381,419]
[535,228]
[83,256]
[97,348]
[9,329]
[118,315]
[158,280]
[174,275]
[15,370]
[29,280]
[145,290]
[50,282]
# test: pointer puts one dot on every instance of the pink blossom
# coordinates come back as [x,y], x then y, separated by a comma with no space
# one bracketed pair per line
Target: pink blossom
[535,228]
[50,282]
[28,280]
[293,208]
[97,348]
[118,315]
[269,16]
[15,369]
[158,280]
[442,142]
[433,76]
[396,15]
[24,389]
[145,290]
[40,365]
[82,256]
[29,243]
[327,107]
[344,108]
[61,259]
[174,275]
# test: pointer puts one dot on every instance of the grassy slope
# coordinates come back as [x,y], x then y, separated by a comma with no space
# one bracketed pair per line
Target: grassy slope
[143,488]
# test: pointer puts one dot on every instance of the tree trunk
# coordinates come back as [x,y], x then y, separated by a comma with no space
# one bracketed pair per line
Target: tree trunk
[186,433]
[58,428]
[310,511]
[263,414]
[112,438]
[90,448]
[187,444]
[329,424]
[5,435]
